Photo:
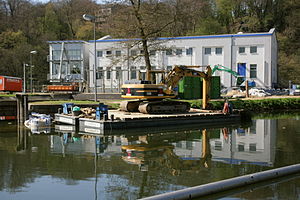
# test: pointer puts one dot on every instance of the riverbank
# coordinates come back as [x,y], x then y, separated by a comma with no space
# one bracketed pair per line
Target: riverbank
[254,104]
[257,105]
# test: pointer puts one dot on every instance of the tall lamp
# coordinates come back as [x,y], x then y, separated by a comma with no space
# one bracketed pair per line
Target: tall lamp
[24,77]
[31,53]
[92,18]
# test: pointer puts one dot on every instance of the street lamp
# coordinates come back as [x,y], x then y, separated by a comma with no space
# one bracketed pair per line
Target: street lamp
[31,52]
[24,77]
[92,18]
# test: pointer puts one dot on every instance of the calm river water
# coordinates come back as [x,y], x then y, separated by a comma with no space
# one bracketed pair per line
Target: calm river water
[62,164]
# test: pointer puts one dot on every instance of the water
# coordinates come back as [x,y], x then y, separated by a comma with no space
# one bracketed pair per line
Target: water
[62,164]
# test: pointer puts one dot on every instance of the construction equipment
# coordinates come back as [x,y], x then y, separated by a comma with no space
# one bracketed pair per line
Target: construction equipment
[161,154]
[152,97]
[239,79]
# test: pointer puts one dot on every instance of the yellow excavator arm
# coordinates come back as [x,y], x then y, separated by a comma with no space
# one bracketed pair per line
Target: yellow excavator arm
[178,72]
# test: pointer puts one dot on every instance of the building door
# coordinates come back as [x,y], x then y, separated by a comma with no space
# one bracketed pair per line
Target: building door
[242,73]
[242,69]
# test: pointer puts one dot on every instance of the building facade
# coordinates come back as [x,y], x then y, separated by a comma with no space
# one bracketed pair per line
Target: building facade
[68,61]
[252,55]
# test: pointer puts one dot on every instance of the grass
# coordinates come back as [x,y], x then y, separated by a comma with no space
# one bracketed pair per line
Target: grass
[256,105]
[7,95]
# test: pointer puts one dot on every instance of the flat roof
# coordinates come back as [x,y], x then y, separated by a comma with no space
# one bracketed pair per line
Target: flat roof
[270,33]
[192,37]
[66,41]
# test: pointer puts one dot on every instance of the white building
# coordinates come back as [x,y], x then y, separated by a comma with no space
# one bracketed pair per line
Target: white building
[252,55]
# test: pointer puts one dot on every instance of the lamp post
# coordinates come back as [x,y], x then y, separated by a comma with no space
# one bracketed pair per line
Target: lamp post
[92,18]
[31,53]
[24,77]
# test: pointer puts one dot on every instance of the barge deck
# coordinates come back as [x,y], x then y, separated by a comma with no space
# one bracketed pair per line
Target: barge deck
[119,120]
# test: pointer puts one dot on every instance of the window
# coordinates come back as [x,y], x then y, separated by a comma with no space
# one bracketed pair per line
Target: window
[108,53]
[178,52]
[253,49]
[133,53]
[118,53]
[75,68]
[99,53]
[241,147]
[218,145]
[99,74]
[55,67]
[142,67]
[56,54]
[189,51]
[132,72]
[169,52]
[189,145]
[152,52]
[118,72]
[219,50]
[108,73]
[252,147]
[207,50]
[74,54]
[242,50]
[141,52]
[253,71]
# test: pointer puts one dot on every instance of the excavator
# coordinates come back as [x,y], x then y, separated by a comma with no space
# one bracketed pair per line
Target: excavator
[152,98]
[161,154]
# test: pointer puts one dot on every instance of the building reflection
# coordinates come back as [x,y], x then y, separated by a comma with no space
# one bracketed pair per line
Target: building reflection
[253,145]
[185,150]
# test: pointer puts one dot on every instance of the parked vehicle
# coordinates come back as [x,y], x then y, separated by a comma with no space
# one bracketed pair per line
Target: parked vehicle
[10,84]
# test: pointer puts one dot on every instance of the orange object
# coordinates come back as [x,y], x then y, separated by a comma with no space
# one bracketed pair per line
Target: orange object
[8,117]
[11,84]
[226,108]
[62,88]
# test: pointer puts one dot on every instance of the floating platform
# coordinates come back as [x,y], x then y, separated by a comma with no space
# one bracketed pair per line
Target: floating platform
[124,120]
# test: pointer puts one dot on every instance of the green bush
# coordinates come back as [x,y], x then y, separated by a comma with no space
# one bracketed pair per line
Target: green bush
[269,104]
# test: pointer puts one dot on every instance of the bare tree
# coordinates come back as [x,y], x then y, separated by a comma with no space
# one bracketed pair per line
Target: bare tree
[145,20]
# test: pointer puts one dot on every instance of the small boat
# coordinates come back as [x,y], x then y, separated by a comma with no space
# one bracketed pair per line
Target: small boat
[37,120]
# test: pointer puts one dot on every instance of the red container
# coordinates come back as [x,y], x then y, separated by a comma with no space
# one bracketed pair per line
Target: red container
[11,84]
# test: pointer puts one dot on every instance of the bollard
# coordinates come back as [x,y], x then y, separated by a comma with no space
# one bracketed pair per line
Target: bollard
[105,117]
[112,118]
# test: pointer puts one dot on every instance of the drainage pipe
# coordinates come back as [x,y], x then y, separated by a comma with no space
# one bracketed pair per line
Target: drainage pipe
[220,186]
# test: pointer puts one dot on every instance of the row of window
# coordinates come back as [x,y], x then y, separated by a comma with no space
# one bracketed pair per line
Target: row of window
[218,51]
[240,147]
[253,49]
[168,52]
[72,54]
[118,71]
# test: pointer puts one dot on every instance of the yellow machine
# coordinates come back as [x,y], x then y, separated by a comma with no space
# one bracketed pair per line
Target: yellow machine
[161,155]
[151,96]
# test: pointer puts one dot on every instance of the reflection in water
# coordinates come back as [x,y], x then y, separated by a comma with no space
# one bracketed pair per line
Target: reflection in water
[157,154]
[135,165]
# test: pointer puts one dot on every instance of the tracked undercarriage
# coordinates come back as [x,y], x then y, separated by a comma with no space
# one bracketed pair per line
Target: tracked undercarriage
[155,107]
